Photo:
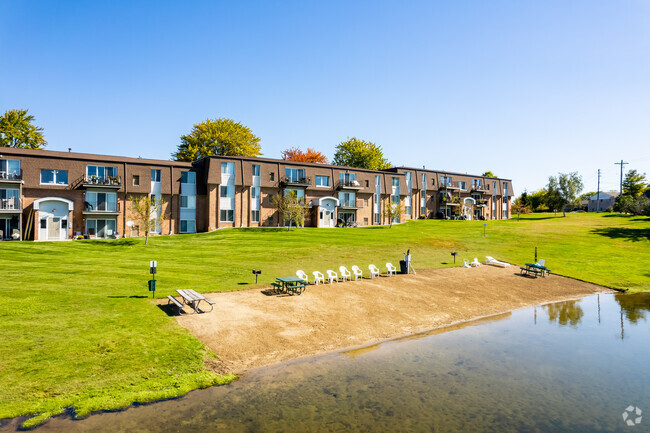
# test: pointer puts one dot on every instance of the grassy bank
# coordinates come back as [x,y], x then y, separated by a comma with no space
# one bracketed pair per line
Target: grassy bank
[80,332]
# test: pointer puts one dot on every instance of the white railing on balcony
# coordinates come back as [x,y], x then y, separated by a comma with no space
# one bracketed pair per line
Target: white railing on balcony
[11,203]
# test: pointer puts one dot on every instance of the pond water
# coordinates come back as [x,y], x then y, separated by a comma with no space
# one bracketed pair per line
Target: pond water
[564,367]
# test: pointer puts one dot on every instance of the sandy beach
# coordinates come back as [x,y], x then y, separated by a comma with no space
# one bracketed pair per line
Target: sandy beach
[252,328]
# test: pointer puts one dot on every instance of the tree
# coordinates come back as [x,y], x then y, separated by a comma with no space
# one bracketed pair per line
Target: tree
[393,211]
[563,190]
[217,137]
[295,154]
[537,200]
[291,208]
[147,211]
[361,154]
[17,130]
[489,174]
[634,183]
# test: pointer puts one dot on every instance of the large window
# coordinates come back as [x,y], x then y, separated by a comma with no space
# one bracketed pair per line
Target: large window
[462,185]
[445,181]
[227,215]
[54,177]
[9,168]
[104,228]
[255,195]
[9,199]
[188,201]
[505,189]
[423,196]
[295,175]
[188,226]
[155,175]
[227,193]
[101,201]
[322,181]
[408,200]
[347,199]
[99,172]
[348,179]
[377,199]
[228,168]
[300,193]
[188,177]
[256,170]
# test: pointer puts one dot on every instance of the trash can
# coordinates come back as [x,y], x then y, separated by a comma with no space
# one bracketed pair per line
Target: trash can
[403,267]
[152,285]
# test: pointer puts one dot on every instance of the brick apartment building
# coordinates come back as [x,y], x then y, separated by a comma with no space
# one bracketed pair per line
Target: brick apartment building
[48,195]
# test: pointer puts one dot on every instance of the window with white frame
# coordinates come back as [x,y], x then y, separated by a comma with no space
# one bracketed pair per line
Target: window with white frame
[347,199]
[445,180]
[462,185]
[54,177]
[101,201]
[155,175]
[9,168]
[322,181]
[423,196]
[408,200]
[295,175]
[377,199]
[100,172]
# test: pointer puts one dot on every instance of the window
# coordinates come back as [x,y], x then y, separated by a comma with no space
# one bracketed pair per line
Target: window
[155,175]
[54,177]
[188,177]
[188,201]
[367,186]
[300,193]
[9,168]
[227,215]
[272,176]
[188,226]
[100,172]
[224,190]
[255,216]
[295,174]
[347,199]
[228,168]
[445,181]
[101,201]
[476,183]
[322,181]
[256,170]
[505,189]
[348,179]
[462,185]
[136,180]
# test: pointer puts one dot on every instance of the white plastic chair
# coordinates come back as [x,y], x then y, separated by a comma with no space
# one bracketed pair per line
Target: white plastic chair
[374,272]
[303,275]
[357,272]
[541,262]
[466,263]
[345,274]
[332,276]
[489,260]
[391,269]
[475,262]
[318,277]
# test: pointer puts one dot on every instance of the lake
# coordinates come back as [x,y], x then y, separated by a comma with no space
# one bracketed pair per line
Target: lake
[565,367]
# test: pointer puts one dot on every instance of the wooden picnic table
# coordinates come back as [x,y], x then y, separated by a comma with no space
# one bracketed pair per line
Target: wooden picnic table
[193,298]
[290,285]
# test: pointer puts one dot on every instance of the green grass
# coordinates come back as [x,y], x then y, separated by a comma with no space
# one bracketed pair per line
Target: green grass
[79,331]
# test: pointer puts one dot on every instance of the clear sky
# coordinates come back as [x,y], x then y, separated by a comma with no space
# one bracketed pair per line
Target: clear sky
[525,89]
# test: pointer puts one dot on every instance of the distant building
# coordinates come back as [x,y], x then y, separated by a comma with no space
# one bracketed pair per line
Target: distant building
[602,201]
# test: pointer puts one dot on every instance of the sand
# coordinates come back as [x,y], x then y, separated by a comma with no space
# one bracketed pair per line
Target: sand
[251,328]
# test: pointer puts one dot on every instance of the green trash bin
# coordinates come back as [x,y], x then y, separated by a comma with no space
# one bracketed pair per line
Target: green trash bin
[152,285]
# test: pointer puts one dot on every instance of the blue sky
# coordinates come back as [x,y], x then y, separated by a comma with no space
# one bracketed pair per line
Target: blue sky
[524,89]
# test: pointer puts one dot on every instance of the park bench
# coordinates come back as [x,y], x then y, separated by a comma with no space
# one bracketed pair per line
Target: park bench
[172,300]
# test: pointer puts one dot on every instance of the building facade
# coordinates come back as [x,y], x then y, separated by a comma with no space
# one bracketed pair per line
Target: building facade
[47,195]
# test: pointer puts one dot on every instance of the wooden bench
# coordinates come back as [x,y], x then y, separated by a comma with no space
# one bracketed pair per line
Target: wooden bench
[176,303]
[209,302]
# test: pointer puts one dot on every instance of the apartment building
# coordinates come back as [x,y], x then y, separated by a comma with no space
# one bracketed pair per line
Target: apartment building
[48,195]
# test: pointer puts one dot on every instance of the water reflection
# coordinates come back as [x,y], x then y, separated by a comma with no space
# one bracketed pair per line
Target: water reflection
[635,306]
[565,313]
[507,374]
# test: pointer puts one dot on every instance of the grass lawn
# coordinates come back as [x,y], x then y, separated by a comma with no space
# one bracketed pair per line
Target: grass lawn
[80,329]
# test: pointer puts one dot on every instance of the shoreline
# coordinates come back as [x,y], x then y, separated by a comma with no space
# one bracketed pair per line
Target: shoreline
[250,329]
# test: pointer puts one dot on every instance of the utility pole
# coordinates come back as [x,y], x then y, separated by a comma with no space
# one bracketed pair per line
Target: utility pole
[598,194]
[621,164]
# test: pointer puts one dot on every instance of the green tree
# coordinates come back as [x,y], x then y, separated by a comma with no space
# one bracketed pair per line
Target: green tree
[634,183]
[488,174]
[361,154]
[393,212]
[147,213]
[291,208]
[217,137]
[17,130]
[563,190]
[537,200]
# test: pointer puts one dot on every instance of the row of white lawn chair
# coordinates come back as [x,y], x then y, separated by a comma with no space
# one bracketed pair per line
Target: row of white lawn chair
[489,260]
[346,275]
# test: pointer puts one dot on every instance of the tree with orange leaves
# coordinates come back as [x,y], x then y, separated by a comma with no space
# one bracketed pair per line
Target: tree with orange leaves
[295,154]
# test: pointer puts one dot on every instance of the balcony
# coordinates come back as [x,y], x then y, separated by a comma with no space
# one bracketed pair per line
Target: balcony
[349,184]
[348,204]
[10,205]
[102,209]
[448,185]
[479,188]
[12,176]
[99,182]
[296,181]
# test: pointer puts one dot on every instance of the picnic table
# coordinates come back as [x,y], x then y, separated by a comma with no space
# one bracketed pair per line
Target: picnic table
[535,270]
[290,285]
[193,299]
